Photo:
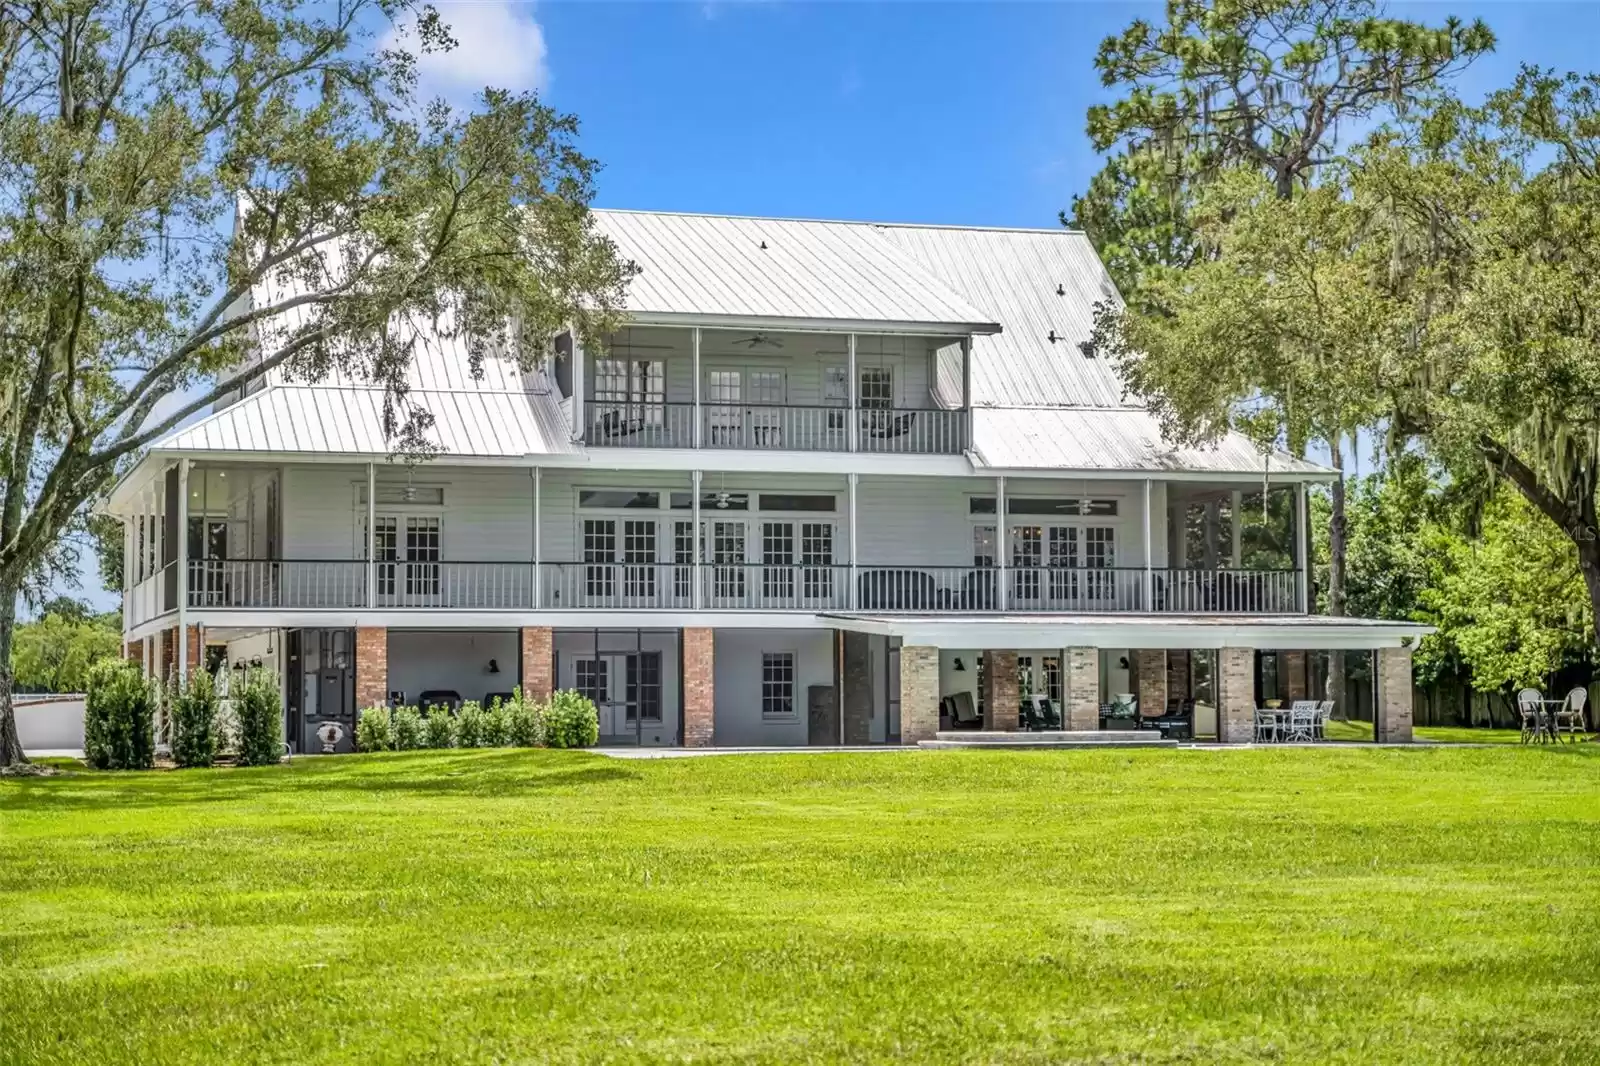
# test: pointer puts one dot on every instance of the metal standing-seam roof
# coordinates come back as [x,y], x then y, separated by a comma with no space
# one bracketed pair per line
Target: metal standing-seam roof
[311,419]
[1108,439]
[760,269]
[1033,282]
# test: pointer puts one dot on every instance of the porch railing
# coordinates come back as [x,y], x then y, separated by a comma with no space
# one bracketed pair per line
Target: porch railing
[774,427]
[645,586]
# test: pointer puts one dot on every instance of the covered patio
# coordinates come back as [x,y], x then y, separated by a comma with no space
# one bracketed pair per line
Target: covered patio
[1177,678]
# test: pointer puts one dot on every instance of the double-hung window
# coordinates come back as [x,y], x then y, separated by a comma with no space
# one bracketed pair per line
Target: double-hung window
[777,684]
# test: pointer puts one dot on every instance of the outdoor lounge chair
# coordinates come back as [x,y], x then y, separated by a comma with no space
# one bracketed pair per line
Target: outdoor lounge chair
[963,713]
[887,428]
[897,590]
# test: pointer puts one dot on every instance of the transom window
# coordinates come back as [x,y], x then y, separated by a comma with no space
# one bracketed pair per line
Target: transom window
[1043,506]
[777,684]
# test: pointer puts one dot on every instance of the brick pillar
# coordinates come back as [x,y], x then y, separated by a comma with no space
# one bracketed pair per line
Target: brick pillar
[699,687]
[169,653]
[1392,715]
[538,662]
[372,666]
[195,660]
[1000,699]
[1151,665]
[1236,695]
[1177,674]
[919,692]
[857,681]
[1082,712]
[1294,673]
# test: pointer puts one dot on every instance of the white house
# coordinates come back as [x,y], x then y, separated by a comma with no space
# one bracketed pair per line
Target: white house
[910,477]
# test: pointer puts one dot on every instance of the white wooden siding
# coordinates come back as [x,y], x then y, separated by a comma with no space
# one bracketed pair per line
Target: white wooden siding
[488,514]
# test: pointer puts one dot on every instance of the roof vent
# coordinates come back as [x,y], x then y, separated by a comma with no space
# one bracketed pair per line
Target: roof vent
[1053,337]
[1087,348]
[763,246]
[1061,290]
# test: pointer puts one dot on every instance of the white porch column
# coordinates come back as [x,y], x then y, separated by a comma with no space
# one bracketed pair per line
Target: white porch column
[183,570]
[580,427]
[966,392]
[697,538]
[372,536]
[855,556]
[1302,543]
[538,554]
[695,345]
[1002,543]
[1149,554]
[1213,527]
[854,393]
[1236,521]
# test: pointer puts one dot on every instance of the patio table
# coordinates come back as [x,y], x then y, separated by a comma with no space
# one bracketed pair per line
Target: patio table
[1544,725]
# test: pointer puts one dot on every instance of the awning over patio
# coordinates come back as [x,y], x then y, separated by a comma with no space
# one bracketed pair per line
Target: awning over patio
[1285,632]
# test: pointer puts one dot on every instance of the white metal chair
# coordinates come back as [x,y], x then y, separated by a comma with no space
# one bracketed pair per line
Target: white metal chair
[1266,725]
[1303,720]
[1530,708]
[1569,717]
[1324,712]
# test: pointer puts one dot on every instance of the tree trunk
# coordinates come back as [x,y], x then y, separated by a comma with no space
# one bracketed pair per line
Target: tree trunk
[1336,570]
[1589,565]
[11,753]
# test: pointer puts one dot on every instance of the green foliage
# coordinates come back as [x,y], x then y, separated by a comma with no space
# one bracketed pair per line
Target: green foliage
[118,718]
[1268,85]
[470,725]
[57,652]
[409,732]
[571,721]
[259,707]
[193,707]
[375,730]
[1511,602]
[525,728]
[496,725]
[439,728]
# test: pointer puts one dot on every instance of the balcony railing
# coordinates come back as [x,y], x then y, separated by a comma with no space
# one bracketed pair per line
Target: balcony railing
[649,586]
[762,427]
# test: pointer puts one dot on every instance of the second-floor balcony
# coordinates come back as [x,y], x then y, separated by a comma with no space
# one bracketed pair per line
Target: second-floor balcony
[775,427]
[343,584]
[654,387]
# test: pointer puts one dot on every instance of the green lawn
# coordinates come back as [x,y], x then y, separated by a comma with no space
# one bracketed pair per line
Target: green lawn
[1438,734]
[1336,905]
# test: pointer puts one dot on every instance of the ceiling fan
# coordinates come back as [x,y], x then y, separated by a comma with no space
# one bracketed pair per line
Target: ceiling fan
[758,340]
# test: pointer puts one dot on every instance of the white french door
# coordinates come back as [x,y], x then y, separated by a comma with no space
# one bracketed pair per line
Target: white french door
[745,408]
[625,687]
[620,562]
[408,550]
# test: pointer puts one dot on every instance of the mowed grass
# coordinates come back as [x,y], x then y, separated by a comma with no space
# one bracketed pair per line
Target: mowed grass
[1336,905]
[1436,734]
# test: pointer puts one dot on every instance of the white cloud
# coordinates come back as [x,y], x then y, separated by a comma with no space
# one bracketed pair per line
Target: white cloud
[498,43]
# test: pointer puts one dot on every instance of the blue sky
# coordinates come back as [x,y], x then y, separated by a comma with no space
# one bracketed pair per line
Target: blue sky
[957,113]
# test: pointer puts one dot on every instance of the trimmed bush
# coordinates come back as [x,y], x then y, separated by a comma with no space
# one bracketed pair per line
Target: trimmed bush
[525,722]
[118,718]
[194,720]
[374,730]
[259,707]
[438,730]
[496,725]
[469,725]
[408,728]
[571,721]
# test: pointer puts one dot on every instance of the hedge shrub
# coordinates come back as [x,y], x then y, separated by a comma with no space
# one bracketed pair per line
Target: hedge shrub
[194,720]
[470,725]
[119,718]
[407,728]
[374,730]
[439,729]
[496,725]
[524,722]
[259,707]
[571,721]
